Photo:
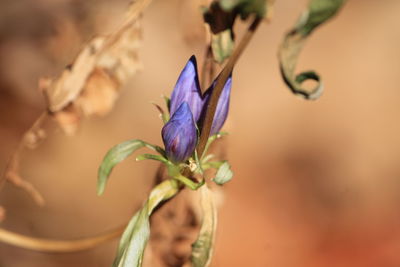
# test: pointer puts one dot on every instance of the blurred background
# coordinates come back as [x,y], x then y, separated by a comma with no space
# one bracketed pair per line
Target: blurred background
[317,184]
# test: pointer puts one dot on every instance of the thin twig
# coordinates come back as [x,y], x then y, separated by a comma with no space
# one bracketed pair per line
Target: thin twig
[57,246]
[223,77]
[11,174]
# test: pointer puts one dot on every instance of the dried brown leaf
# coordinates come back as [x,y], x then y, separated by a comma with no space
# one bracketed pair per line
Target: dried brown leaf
[99,94]
[66,88]
[68,119]
[114,56]
[89,86]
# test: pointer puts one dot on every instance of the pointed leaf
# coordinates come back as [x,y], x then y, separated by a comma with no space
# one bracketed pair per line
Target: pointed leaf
[117,154]
[152,157]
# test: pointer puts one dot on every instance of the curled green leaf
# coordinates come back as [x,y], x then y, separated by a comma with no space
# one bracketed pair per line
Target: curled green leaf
[318,12]
[134,239]
[202,248]
[224,174]
[117,154]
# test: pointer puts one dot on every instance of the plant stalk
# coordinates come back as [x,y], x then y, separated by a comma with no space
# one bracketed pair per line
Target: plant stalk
[221,80]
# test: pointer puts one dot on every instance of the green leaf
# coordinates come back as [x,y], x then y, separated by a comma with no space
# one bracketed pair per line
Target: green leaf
[202,248]
[132,255]
[318,12]
[222,45]
[224,174]
[134,239]
[152,157]
[117,154]
[126,237]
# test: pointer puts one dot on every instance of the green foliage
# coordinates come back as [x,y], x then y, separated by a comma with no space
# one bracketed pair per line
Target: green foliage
[134,239]
[189,172]
[117,154]
[318,12]
[152,157]
[202,248]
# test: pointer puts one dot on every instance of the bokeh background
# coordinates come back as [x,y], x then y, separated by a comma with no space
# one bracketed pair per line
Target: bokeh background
[317,184]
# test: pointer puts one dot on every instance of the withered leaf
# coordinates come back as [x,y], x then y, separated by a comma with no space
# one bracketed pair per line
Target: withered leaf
[66,88]
[318,12]
[89,86]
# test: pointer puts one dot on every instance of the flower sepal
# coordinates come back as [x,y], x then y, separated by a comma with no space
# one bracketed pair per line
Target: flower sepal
[175,171]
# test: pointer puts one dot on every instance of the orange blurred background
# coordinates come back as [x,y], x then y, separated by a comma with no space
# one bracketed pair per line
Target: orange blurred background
[317,184]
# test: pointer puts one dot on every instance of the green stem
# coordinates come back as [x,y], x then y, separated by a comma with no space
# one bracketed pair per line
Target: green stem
[189,183]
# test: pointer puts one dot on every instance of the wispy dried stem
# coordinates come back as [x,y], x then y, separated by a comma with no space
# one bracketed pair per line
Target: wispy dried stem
[11,174]
[60,246]
[89,86]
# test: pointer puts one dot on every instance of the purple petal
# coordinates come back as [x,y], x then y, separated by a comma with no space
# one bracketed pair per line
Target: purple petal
[187,89]
[180,135]
[222,110]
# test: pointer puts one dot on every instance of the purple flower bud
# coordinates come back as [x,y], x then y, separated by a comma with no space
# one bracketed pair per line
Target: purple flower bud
[187,89]
[221,112]
[180,135]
